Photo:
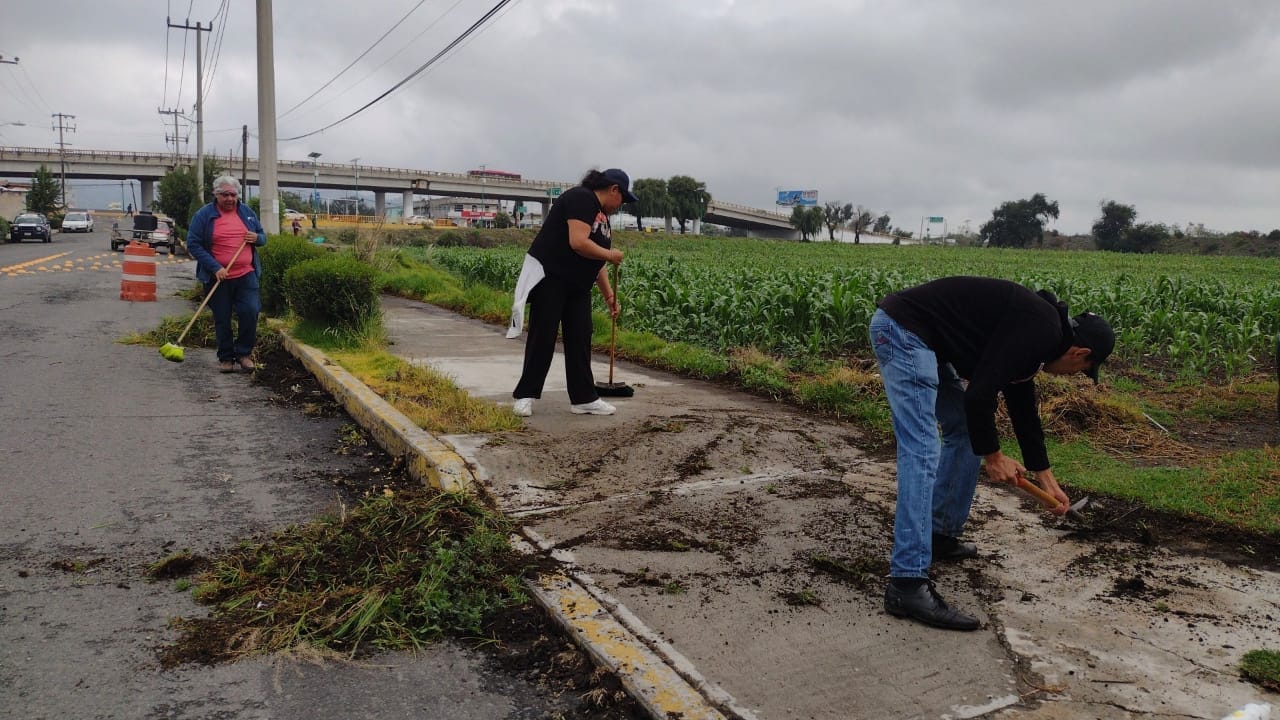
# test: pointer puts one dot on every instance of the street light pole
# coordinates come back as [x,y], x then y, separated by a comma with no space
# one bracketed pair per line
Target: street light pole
[354,163]
[315,188]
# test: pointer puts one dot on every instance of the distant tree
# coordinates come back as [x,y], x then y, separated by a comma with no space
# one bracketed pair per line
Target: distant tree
[689,199]
[835,215]
[1274,235]
[1116,220]
[1018,223]
[44,196]
[178,195]
[212,169]
[1144,238]
[502,220]
[882,224]
[654,200]
[807,220]
[862,219]
[291,200]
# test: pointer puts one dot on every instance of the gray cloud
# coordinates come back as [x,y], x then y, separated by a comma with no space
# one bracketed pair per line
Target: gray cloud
[944,107]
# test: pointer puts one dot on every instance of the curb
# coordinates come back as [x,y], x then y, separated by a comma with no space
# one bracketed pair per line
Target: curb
[658,687]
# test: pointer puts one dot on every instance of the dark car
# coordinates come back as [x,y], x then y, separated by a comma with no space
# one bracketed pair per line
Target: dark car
[30,225]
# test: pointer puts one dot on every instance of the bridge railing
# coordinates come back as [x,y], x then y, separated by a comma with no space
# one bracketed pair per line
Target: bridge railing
[748,209]
[6,152]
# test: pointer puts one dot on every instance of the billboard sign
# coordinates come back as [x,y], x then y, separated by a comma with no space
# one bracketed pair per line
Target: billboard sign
[791,198]
[478,215]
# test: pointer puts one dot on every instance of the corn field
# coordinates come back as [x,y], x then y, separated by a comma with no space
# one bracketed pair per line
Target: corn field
[1197,316]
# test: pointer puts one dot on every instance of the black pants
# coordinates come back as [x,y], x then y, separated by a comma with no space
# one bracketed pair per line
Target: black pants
[557,304]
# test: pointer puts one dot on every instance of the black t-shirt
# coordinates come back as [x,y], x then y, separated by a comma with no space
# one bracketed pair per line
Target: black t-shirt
[551,246]
[996,334]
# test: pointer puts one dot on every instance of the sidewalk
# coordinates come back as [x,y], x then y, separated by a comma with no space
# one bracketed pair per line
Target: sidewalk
[751,540]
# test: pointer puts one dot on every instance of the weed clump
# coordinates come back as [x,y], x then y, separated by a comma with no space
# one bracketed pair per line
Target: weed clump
[1262,667]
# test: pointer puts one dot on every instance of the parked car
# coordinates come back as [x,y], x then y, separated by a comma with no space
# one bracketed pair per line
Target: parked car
[154,230]
[417,220]
[163,234]
[290,214]
[76,221]
[30,225]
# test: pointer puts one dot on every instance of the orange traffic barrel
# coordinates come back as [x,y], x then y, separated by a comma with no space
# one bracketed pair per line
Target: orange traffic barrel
[138,283]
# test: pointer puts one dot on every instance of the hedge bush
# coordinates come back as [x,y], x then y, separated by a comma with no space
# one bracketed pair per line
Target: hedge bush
[280,254]
[337,291]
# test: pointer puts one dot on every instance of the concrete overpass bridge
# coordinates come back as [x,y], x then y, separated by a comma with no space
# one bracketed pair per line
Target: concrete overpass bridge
[149,168]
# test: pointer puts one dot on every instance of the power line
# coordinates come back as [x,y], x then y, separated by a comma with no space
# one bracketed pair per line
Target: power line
[26,76]
[393,56]
[353,62]
[456,41]
[215,46]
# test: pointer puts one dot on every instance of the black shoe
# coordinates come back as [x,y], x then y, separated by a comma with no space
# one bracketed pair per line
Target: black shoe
[922,602]
[946,548]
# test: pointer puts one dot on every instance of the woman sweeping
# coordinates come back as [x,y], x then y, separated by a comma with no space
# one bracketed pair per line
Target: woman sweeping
[566,258]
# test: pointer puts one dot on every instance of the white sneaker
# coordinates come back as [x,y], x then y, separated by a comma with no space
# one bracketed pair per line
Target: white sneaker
[523,407]
[598,407]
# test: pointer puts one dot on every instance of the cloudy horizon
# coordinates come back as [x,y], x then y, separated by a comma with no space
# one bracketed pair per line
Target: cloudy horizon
[940,108]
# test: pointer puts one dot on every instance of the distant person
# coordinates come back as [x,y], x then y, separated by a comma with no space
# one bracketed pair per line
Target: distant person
[297,226]
[129,211]
[567,257]
[216,232]
[997,335]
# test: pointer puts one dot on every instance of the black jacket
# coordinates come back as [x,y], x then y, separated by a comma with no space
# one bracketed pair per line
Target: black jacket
[996,334]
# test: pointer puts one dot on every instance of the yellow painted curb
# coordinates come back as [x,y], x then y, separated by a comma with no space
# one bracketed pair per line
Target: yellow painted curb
[662,691]
[428,460]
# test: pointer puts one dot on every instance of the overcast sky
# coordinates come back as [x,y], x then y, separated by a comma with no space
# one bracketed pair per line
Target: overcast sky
[913,107]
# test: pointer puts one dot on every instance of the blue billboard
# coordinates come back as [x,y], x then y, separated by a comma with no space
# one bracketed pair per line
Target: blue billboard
[791,198]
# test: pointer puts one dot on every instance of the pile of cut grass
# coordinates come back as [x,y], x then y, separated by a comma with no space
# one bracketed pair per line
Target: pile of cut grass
[396,571]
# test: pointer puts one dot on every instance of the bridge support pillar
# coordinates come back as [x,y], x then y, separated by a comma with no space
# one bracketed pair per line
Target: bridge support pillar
[697,227]
[148,194]
[407,205]
[380,203]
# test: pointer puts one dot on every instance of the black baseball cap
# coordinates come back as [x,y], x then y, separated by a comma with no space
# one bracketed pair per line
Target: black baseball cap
[1091,331]
[619,178]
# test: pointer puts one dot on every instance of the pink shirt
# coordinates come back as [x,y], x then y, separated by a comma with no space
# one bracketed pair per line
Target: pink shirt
[228,236]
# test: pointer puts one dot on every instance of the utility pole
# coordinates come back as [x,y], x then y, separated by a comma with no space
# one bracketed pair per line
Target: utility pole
[268,192]
[199,102]
[62,148]
[175,138]
[244,162]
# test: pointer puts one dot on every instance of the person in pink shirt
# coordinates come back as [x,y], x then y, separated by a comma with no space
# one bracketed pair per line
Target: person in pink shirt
[217,232]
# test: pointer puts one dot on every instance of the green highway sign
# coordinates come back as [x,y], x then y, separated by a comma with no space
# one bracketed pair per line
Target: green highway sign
[553,192]
[933,219]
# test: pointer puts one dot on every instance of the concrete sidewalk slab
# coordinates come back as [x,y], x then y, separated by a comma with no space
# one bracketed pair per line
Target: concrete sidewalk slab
[747,541]
[709,515]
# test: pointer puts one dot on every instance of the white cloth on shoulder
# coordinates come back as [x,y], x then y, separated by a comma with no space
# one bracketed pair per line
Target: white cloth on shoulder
[531,273]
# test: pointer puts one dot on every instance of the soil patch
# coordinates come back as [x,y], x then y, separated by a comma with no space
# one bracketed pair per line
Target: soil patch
[1111,519]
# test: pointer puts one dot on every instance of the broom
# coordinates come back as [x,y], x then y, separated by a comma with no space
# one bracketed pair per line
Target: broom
[611,388]
[173,351]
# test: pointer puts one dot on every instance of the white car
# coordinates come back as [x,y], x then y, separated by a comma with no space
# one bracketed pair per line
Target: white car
[418,220]
[291,215]
[77,222]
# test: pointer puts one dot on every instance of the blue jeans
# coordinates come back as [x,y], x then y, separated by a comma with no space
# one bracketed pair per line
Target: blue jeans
[937,476]
[241,296]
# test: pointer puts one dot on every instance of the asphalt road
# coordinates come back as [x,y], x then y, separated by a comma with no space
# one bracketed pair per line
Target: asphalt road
[112,458]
